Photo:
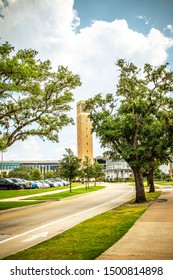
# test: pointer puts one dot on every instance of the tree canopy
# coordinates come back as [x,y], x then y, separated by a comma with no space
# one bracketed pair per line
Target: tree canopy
[34,99]
[137,121]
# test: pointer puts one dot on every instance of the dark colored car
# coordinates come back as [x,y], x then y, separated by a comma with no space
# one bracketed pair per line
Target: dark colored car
[6,184]
[19,181]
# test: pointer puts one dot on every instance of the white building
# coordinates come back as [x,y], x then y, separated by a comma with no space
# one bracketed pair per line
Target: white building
[117,170]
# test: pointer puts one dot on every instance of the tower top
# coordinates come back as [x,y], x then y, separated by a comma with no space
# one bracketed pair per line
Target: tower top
[81,107]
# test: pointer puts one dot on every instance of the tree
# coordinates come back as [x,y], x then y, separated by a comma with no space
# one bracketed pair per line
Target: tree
[22,172]
[49,174]
[69,166]
[34,100]
[35,174]
[124,122]
[97,171]
[159,148]
[87,170]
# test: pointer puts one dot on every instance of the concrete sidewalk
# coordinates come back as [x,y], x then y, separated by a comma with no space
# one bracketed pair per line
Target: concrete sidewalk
[151,237]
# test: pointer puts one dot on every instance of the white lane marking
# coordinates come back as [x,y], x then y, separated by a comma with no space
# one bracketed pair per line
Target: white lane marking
[66,218]
[35,236]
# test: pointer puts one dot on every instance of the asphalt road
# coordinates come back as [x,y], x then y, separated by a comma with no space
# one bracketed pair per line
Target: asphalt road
[23,228]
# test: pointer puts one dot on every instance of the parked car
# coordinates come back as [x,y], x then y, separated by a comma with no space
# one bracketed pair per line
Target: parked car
[51,183]
[58,182]
[7,184]
[31,185]
[65,183]
[42,184]
[18,181]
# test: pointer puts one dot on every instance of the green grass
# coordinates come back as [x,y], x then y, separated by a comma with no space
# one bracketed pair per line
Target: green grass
[15,193]
[29,201]
[89,239]
[164,183]
[13,204]
[58,196]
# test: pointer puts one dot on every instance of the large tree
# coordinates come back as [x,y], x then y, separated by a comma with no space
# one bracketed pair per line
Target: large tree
[34,99]
[124,122]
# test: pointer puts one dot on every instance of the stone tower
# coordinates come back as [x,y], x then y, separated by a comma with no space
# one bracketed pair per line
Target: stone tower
[84,135]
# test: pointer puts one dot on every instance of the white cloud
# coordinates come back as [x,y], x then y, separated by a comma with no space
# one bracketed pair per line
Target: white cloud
[49,27]
[29,149]
[144,18]
[170,28]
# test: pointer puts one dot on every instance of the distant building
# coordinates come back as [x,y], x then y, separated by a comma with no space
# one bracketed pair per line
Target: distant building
[115,170]
[84,135]
[167,169]
[42,165]
[101,160]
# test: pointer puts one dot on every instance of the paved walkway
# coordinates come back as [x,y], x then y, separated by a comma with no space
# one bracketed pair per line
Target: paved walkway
[151,237]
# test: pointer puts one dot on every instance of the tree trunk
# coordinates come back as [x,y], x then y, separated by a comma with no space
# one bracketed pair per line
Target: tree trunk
[70,185]
[148,181]
[140,193]
[151,181]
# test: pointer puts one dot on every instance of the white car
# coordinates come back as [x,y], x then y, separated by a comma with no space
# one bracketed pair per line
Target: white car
[58,183]
[31,185]
[51,183]
[38,183]
[45,184]
[65,183]
[42,184]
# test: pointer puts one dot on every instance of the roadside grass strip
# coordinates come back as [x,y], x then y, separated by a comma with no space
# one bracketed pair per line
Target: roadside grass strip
[65,194]
[43,198]
[90,238]
[14,204]
[4,194]
[163,183]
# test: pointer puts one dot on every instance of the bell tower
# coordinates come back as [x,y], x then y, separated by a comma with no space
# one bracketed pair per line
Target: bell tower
[84,135]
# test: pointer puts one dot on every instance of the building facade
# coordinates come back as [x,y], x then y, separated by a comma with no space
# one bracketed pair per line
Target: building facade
[84,134]
[117,170]
[43,166]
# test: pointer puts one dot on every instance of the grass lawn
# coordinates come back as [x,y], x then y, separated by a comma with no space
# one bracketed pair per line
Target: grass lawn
[13,204]
[89,239]
[57,196]
[164,183]
[15,193]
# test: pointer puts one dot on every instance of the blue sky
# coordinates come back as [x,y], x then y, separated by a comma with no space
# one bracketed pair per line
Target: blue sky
[140,15]
[156,13]
[88,37]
